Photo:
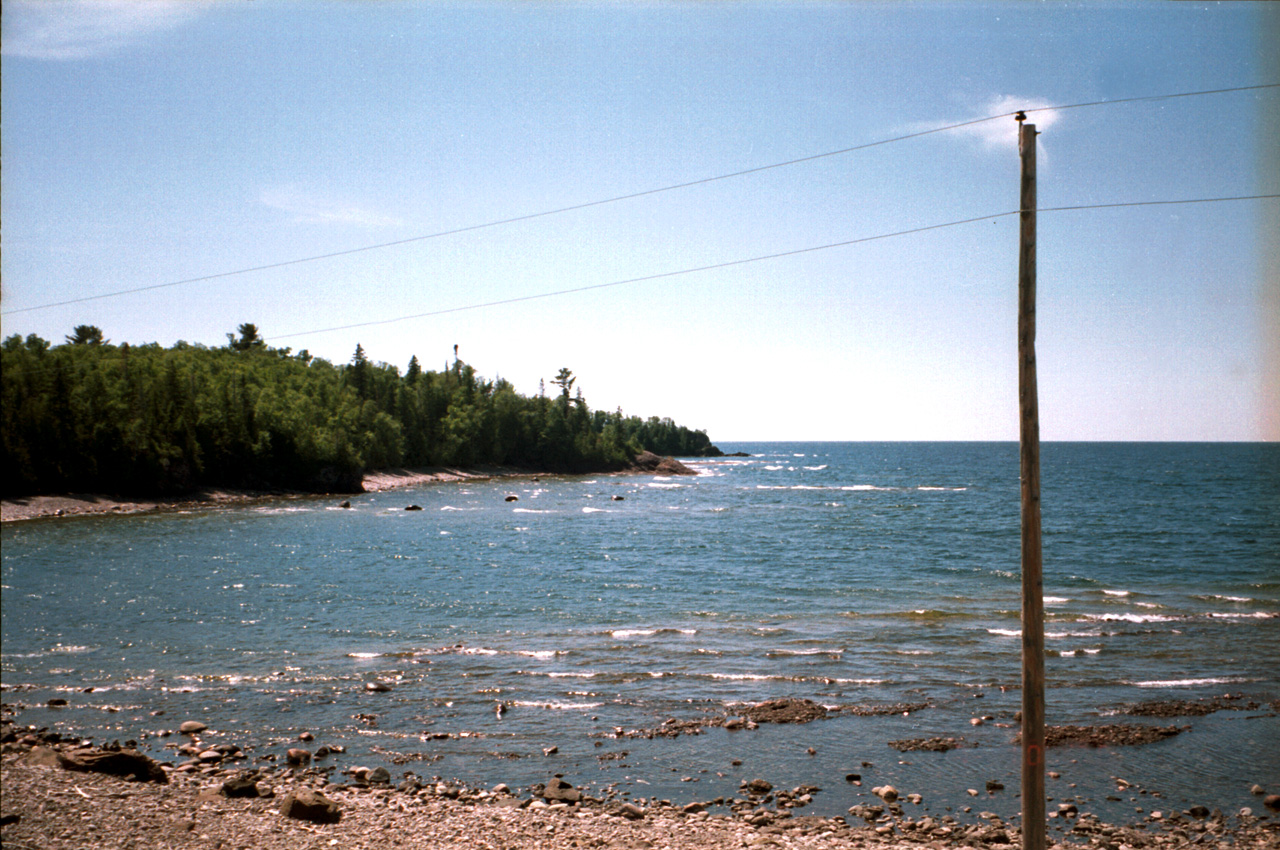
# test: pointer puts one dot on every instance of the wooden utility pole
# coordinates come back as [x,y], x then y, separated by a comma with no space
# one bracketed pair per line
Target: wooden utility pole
[1033,801]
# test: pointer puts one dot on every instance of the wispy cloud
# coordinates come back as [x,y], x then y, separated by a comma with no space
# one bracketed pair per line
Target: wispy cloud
[1002,133]
[85,29]
[311,208]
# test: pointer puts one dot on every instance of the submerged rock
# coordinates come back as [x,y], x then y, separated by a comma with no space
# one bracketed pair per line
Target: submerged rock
[786,711]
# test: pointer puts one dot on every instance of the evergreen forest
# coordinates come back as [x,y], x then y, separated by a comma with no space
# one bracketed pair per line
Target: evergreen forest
[90,416]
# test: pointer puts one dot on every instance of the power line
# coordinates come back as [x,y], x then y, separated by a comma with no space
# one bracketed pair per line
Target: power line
[616,199]
[761,258]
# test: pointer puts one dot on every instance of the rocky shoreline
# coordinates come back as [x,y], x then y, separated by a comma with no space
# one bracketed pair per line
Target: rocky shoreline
[59,793]
[81,504]
[63,791]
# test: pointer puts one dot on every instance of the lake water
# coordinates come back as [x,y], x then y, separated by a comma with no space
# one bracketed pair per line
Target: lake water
[866,574]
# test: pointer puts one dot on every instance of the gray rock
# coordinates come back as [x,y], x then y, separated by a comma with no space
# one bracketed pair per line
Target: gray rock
[297,756]
[379,776]
[758,787]
[309,805]
[559,791]
[631,811]
[377,687]
[1272,801]
[190,727]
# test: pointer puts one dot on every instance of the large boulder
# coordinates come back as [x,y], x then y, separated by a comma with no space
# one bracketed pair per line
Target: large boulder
[309,805]
[559,791]
[242,785]
[649,462]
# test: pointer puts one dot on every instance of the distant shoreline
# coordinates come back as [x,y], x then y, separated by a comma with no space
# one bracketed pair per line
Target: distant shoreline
[83,504]
[22,508]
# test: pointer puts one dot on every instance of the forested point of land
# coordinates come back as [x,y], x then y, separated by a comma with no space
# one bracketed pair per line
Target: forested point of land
[90,416]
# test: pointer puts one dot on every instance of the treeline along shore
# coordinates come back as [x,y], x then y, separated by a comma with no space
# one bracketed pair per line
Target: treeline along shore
[143,420]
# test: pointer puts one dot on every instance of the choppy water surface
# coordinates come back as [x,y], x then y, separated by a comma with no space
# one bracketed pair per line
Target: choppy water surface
[850,574]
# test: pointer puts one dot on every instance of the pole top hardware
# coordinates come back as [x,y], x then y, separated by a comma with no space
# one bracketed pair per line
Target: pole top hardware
[1020,117]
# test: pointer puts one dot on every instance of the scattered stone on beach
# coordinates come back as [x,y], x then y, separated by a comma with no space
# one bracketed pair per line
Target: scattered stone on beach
[786,711]
[757,787]
[56,702]
[309,805]
[191,727]
[1272,801]
[297,756]
[631,811]
[378,776]
[413,507]
[512,498]
[617,498]
[886,792]
[345,503]
[377,687]
[1257,790]
[994,786]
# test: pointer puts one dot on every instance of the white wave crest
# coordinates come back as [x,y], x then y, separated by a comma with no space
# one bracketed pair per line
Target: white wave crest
[559,706]
[1187,683]
[1131,618]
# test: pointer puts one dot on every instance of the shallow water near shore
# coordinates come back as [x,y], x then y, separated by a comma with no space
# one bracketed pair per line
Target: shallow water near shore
[855,575]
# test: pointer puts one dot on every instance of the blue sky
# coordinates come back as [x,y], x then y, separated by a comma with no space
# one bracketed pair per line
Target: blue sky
[151,142]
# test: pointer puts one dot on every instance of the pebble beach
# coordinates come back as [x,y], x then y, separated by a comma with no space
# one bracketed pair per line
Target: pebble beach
[59,794]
